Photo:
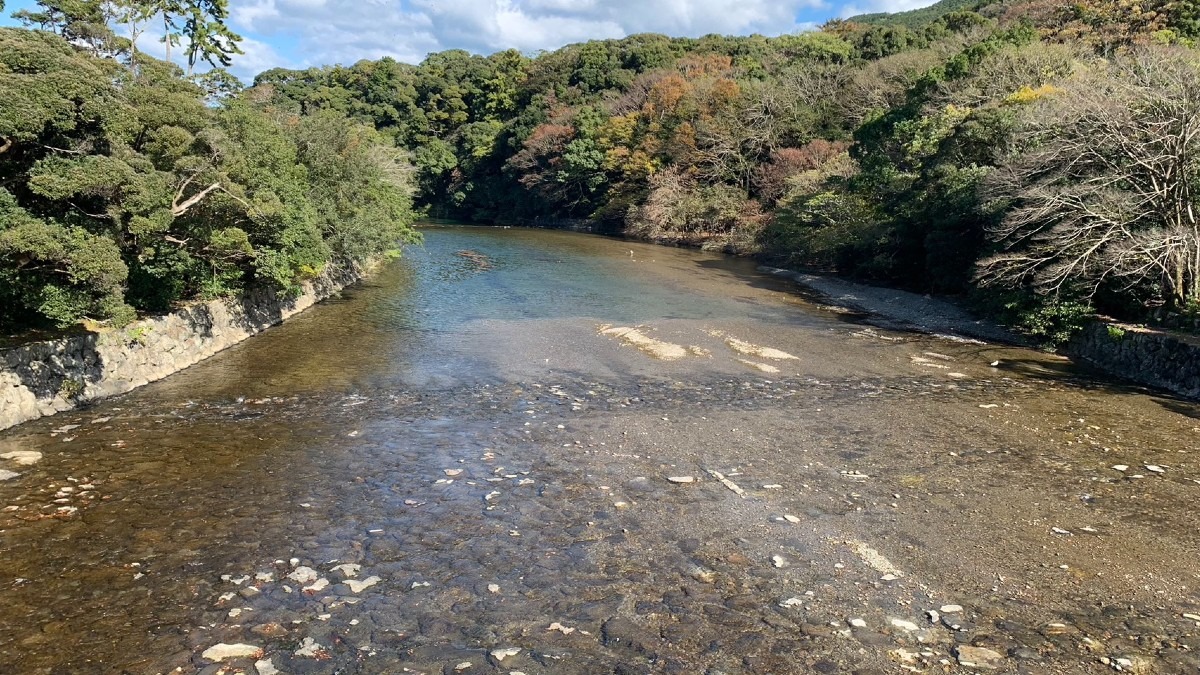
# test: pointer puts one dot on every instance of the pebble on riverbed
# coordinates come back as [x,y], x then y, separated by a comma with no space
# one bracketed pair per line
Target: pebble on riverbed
[304,575]
[311,649]
[360,586]
[223,651]
[978,657]
[501,654]
[23,457]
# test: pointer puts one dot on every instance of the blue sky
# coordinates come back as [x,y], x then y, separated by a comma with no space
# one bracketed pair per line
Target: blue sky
[301,33]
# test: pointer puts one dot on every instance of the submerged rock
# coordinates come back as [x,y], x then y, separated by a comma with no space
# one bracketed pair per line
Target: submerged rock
[310,648]
[501,654]
[304,575]
[223,651]
[978,657]
[357,586]
[23,457]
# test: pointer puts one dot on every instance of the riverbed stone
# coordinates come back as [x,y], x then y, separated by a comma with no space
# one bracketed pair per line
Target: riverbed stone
[23,457]
[978,657]
[222,652]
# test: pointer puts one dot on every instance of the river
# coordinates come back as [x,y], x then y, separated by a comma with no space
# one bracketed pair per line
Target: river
[544,452]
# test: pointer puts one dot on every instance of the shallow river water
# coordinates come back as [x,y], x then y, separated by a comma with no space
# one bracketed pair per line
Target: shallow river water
[522,451]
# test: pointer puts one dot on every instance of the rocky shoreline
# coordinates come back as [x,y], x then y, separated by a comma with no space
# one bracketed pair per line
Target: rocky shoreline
[1149,357]
[893,308]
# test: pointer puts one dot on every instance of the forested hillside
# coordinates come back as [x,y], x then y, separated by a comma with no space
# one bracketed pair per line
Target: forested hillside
[1039,157]
[127,186]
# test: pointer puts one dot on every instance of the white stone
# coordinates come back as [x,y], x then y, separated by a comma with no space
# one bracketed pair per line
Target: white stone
[318,585]
[493,588]
[23,457]
[682,479]
[223,651]
[309,648]
[560,628]
[501,654]
[857,623]
[904,625]
[5,474]
[265,667]
[778,561]
[978,657]
[1120,467]
[462,666]
[347,570]
[304,575]
[951,609]
[360,586]
[791,518]
[1155,468]
[452,472]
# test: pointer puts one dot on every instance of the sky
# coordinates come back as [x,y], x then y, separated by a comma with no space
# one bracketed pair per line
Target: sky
[303,33]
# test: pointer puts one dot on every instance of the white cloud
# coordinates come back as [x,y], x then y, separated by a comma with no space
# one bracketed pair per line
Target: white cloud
[256,57]
[344,31]
[873,6]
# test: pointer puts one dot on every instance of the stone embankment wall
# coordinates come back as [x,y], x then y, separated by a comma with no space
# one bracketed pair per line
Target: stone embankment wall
[43,378]
[1156,358]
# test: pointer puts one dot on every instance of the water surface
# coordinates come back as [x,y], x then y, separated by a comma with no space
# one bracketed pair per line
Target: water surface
[458,428]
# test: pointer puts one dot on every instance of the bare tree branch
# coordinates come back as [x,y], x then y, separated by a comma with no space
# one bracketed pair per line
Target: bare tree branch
[1101,186]
[179,208]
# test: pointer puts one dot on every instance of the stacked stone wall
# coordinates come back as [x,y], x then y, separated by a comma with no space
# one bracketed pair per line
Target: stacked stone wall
[43,378]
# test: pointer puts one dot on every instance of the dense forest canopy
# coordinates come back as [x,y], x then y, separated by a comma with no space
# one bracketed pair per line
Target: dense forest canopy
[1036,157]
[1033,155]
[127,186]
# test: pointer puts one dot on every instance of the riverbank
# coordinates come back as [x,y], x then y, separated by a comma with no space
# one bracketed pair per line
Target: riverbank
[52,376]
[903,310]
